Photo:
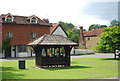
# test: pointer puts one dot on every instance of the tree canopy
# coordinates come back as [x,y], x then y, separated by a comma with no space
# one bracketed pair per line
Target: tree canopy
[66,26]
[110,39]
[72,31]
[115,23]
[96,26]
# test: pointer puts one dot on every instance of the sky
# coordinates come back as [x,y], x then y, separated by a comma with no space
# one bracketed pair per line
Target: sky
[78,12]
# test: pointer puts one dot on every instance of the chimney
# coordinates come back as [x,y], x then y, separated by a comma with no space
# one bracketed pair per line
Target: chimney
[81,34]
[46,20]
[93,28]
[81,40]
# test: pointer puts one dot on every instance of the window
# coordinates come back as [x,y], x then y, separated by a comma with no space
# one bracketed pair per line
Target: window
[33,21]
[22,48]
[9,19]
[9,35]
[33,35]
[88,38]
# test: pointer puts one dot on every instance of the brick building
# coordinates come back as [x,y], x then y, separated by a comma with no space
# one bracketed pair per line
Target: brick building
[89,39]
[21,30]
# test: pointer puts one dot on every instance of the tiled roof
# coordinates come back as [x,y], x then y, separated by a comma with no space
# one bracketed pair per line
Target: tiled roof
[54,26]
[52,40]
[23,20]
[94,32]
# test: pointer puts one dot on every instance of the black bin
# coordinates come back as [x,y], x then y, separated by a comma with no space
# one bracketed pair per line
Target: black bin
[21,64]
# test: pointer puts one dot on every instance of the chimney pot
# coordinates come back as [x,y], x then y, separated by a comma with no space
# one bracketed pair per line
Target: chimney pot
[93,28]
[81,27]
[46,20]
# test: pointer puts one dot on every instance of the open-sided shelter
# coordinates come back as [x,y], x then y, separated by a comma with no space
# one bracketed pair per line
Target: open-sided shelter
[52,50]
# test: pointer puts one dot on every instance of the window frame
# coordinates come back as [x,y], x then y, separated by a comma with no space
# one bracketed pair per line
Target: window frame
[33,35]
[88,38]
[9,17]
[9,35]
[22,48]
[33,21]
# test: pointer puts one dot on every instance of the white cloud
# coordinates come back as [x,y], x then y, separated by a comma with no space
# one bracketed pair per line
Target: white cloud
[55,10]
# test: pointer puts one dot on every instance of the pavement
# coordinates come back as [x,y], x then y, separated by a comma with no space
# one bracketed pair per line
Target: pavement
[96,55]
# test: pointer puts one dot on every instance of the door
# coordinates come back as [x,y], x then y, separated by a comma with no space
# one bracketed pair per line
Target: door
[8,52]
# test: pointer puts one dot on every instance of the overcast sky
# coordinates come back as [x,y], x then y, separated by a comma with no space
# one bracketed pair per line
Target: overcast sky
[79,12]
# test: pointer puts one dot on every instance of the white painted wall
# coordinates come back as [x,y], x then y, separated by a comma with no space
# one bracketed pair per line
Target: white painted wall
[2,55]
[59,31]
[12,52]
[20,54]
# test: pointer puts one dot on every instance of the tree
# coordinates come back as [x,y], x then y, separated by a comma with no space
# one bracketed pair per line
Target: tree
[72,31]
[115,23]
[6,44]
[73,34]
[66,26]
[110,39]
[96,26]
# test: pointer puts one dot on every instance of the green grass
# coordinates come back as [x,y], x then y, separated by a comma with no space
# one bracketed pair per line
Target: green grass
[81,68]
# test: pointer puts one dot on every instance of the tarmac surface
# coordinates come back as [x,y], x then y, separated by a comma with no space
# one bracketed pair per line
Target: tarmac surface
[96,55]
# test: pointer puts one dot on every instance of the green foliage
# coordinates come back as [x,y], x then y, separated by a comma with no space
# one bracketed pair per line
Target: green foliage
[96,26]
[66,26]
[110,39]
[72,31]
[115,23]
[6,44]
[0,48]
[73,34]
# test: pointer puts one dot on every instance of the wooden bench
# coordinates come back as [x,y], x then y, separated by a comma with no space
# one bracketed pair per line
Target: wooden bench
[117,54]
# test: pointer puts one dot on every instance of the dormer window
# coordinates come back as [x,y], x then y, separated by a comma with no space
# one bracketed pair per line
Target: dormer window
[9,18]
[33,19]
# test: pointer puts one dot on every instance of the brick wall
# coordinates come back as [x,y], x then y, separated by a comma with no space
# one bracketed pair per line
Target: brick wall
[22,33]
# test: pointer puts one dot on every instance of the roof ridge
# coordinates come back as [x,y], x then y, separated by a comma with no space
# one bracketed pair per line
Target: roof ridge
[42,38]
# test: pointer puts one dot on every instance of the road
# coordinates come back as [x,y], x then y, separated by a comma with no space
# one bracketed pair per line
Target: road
[97,55]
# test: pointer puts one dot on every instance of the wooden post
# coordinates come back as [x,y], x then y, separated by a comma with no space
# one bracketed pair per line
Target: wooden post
[67,52]
[15,47]
[38,57]
[31,52]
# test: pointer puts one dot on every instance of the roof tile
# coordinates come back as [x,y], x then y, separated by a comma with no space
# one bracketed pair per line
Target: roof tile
[94,32]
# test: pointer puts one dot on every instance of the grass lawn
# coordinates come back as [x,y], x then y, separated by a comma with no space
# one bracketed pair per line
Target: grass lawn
[81,68]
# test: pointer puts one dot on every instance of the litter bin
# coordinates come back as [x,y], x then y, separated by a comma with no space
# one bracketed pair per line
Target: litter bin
[21,64]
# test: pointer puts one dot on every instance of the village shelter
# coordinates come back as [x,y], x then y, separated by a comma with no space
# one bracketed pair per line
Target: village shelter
[52,50]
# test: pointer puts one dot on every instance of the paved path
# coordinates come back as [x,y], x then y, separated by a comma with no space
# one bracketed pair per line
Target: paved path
[97,55]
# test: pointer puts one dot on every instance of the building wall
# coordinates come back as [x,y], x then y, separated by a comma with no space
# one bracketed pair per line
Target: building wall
[92,42]
[22,33]
[59,31]
[22,36]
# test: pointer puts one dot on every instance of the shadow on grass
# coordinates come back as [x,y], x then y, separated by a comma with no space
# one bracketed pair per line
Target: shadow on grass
[11,73]
[110,59]
[67,68]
